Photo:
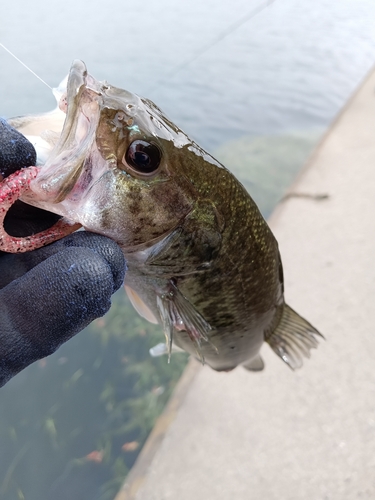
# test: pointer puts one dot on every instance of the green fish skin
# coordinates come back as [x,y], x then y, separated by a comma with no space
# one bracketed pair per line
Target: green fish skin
[202,261]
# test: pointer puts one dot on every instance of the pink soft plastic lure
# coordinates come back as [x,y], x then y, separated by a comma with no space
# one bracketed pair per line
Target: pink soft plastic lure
[12,188]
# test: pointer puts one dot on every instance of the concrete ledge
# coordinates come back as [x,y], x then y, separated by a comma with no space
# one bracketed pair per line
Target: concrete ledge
[279,435]
[138,474]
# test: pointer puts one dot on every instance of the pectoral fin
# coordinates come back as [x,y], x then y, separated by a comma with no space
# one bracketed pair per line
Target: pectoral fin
[178,313]
[190,248]
[293,338]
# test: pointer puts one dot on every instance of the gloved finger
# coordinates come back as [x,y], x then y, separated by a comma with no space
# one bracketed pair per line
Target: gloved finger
[51,303]
[15,150]
[13,266]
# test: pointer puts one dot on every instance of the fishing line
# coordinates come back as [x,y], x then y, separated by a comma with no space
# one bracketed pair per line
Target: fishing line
[228,31]
[233,27]
[23,64]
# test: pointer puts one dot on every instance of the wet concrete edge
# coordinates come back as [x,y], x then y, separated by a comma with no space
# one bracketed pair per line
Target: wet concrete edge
[139,471]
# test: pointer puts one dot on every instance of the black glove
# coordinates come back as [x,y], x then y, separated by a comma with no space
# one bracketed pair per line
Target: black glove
[50,294]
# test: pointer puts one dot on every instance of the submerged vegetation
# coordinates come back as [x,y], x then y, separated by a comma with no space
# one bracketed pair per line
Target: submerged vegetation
[72,425]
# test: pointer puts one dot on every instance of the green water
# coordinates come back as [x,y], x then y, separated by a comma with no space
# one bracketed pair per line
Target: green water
[97,393]
[267,165]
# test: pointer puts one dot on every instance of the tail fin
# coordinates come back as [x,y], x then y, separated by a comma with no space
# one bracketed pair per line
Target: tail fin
[293,338]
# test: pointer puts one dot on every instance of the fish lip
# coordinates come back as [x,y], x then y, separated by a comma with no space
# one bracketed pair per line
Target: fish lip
[84,97]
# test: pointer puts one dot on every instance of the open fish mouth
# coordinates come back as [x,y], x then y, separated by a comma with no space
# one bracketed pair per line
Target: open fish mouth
[91,177]
[64,166]
[48,186]
[11,189]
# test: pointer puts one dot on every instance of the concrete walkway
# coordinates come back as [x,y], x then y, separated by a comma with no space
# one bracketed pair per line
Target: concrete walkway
[279,435]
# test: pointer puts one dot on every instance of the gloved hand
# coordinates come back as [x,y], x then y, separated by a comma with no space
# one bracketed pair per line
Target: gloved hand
[48,295]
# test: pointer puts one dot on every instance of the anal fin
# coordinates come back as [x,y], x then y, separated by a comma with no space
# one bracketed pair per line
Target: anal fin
[255,364]
[293,338]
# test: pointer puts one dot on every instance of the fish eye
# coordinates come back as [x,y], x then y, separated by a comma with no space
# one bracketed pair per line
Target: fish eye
[144,157]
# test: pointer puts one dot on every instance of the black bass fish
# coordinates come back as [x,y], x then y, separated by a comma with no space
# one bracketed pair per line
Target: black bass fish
[202,261]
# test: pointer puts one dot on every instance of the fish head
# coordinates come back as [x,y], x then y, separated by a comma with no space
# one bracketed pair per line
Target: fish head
[118,165]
